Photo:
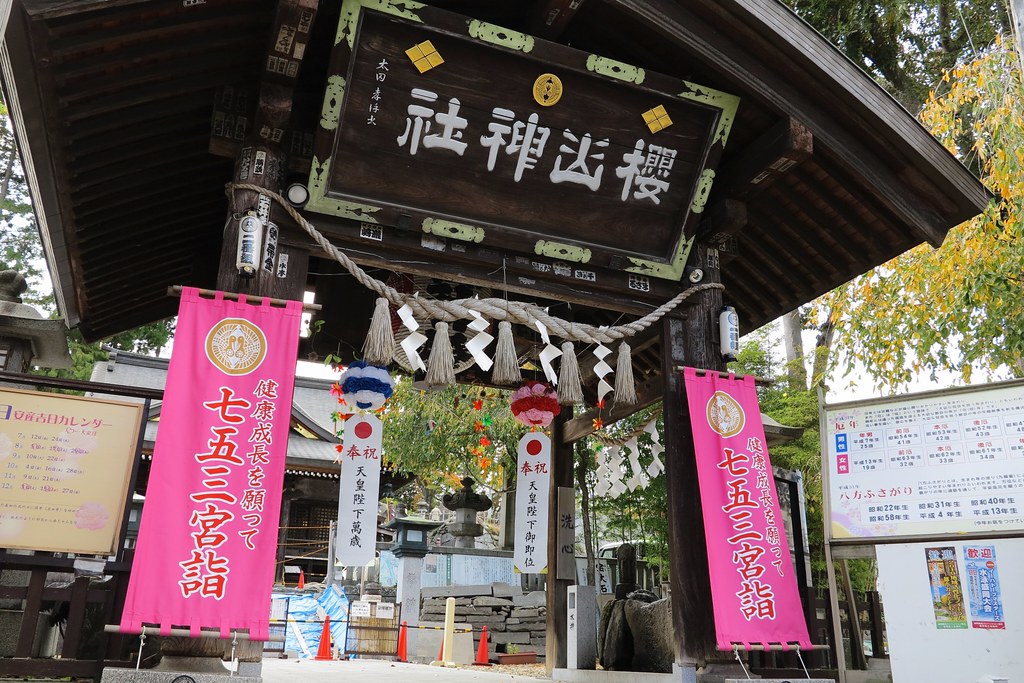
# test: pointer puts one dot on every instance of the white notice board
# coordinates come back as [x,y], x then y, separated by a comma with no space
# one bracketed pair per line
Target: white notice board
[949,462]
[948,622]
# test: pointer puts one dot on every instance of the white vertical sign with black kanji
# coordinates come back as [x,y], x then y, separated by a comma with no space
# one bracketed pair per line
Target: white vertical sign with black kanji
[360,486]
[532,480]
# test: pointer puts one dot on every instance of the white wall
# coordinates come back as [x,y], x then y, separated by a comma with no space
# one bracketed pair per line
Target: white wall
[918,650]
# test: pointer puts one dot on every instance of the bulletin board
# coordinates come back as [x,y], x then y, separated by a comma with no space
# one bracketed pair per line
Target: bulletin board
[65,467]
[947,462]
[930,484]
[954,611]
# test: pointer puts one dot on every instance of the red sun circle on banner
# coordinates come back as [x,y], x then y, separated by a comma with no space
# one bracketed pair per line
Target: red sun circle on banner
[534,447]
[364,430]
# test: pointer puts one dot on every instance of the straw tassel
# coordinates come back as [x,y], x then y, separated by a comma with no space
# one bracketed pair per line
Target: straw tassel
[379,348]
[625,388]
[441,364]
[506,361]
[570,388]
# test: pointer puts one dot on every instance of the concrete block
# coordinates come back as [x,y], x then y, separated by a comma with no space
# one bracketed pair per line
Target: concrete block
[525,612]
[491,601]
[455,591]
[505,590]
[508,637]
[533,599]
[424,645]
[525,628]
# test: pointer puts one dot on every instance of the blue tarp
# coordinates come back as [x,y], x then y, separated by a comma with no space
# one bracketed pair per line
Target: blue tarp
[304,619]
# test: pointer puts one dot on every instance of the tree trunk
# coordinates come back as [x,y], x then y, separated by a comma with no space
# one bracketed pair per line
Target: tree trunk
[588,530]
[796,369]
[8,172]
[823,348]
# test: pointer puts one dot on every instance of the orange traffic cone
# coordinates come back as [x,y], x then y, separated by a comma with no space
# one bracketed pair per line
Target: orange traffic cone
[440,651]
[481,652]
[302,580]
[323,652]
[403,642]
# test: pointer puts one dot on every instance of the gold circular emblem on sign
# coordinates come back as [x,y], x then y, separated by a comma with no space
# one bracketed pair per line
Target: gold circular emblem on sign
[547,89]
[236,346]
[725,415]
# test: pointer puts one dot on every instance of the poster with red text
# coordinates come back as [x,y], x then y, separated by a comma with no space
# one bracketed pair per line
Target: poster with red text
[753,582]
[208,537]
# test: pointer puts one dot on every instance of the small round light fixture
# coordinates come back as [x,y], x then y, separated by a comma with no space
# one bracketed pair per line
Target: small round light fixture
[297,195]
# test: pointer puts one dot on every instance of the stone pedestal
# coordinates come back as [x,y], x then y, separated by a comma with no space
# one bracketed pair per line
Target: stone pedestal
[408,594]
[581,651]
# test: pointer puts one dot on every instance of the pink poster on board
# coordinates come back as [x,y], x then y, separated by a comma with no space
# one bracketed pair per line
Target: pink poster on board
[753,583]
[208,537]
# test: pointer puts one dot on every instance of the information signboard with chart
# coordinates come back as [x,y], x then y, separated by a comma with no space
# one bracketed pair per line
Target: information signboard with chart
[949,462]
[65,464]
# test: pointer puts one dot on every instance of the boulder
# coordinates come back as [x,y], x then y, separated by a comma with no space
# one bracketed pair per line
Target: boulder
[615,641]
[651,626]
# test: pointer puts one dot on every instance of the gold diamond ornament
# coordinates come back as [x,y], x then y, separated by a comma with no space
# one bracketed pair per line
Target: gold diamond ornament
[424,56]
[657,119]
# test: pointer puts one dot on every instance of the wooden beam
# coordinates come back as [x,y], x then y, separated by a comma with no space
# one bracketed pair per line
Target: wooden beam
[765,160]
[647,394]
[721,223]
[553,17]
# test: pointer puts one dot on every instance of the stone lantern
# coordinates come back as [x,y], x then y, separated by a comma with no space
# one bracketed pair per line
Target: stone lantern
[466,503]
[26,338]
[410,547]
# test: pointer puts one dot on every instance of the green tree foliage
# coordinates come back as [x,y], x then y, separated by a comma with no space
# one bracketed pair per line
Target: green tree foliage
[906,44]
[955,308]
[791,399]
[19,239]
[442,436]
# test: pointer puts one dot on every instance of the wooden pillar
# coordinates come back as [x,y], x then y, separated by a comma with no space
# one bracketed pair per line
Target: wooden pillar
[556,642]
[262,162]
[692,341]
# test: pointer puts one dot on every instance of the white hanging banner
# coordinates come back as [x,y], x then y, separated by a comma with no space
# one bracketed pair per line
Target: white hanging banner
[360,486]
[532,480]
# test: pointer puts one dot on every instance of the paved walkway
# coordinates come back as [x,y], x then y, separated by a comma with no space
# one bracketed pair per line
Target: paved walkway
[376,671]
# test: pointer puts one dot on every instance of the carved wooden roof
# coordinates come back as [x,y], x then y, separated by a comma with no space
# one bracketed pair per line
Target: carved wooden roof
[824,175]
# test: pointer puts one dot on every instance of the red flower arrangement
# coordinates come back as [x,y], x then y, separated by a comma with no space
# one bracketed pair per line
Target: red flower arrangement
[535,404]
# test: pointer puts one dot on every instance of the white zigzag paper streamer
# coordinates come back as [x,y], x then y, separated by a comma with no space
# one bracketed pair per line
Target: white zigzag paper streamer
[414,341]
[477,344]
[639,478]
[549,354]
[602,370]
[656,467]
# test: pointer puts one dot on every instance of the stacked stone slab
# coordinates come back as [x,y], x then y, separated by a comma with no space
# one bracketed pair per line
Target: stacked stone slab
[510,615]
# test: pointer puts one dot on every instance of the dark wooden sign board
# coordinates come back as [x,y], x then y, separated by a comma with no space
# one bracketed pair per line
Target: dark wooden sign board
[442,125]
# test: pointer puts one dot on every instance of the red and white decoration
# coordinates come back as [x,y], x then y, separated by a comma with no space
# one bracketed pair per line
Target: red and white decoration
[534,465]
[360,486]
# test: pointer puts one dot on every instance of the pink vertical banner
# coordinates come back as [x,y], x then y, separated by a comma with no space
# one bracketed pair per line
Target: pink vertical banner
[753,583]
[208,538]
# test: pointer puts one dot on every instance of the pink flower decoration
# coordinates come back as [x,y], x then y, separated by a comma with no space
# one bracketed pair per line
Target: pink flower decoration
[535,404]
[92,516]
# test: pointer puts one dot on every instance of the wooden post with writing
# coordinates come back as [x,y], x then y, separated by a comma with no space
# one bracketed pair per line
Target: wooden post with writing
[556,643]
[262,162]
